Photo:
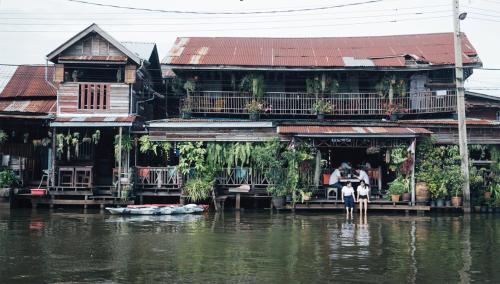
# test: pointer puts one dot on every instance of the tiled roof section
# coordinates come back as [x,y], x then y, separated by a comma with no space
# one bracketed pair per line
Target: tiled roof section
[373,51]
[99,119]
[28,106]
[28,81]
[114,58]
[348,130]
[471,121]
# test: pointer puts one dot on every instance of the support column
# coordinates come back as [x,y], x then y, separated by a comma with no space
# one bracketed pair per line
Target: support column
[51,180]
[462,128]
[413,148]
[120,132]
[238,201]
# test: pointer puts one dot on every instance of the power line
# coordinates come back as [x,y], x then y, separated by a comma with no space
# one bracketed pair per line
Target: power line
[241,28]
[221,23]
[226,13]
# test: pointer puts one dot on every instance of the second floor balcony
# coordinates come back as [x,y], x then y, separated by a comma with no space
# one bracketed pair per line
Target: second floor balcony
[280,104]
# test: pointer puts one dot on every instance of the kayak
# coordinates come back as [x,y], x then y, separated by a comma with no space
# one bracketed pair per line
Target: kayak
[157,209]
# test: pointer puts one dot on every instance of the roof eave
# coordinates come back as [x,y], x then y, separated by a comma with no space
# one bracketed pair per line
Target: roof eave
[93,28]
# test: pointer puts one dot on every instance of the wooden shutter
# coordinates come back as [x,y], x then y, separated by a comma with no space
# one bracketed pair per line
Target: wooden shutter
[59,75]
[130,74]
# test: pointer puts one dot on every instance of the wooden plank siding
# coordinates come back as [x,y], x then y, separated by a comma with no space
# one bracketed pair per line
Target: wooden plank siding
[93,44]
[112,98]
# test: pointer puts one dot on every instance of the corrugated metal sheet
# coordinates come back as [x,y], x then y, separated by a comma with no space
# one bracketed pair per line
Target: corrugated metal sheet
[348,130]
[380,51]
[28,106]
[29,81]
[477,121]
[99,119]
[141,49]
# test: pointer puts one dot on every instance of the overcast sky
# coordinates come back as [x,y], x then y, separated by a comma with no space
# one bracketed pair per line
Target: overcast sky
[30,29]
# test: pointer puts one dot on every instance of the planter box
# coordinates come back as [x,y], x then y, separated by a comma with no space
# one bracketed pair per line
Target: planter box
[38,191]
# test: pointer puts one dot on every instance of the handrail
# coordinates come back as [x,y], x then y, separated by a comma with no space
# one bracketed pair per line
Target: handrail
[297,103]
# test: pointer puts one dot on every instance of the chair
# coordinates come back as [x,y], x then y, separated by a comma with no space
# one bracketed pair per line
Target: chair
[143,174]
[326,184]
[83,177]
[66,177]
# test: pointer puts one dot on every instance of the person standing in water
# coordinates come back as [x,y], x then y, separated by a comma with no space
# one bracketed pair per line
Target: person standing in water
[363,192]
[348,198]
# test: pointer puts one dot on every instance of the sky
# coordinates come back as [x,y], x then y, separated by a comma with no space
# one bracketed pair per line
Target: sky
[30,29]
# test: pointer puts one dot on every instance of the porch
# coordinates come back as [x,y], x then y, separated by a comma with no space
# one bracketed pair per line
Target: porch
[301,104]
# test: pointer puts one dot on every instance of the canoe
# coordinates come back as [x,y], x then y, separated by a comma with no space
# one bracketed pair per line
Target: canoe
[157,210]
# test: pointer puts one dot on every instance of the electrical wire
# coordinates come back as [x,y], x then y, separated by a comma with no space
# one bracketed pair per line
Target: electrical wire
[227,13]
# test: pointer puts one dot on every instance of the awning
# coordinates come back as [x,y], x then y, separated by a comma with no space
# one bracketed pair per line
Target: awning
[351,131]
[207,123]
[93,121]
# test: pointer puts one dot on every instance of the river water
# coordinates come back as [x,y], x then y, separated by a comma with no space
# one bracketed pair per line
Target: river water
[248,247]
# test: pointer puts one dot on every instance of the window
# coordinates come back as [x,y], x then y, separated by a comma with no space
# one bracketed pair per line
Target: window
[93,96]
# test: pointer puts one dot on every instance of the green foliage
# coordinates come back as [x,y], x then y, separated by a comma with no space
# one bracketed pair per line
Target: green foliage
[190,85]
[156,147]
[192,155]
[495,158]
[8,179]
[398,156]
[322,85]
[399,86]
[3,137]
[476,179]
[198,189]
[96,136]
[254,84]
[322,107]
[399,186]
[254,106]
[439,167]
[126,145]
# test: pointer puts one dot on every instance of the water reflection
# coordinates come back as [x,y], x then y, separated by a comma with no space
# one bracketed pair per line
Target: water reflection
[69,246]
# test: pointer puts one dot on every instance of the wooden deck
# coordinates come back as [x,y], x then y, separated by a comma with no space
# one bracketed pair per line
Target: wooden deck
[99,201]
[324,204]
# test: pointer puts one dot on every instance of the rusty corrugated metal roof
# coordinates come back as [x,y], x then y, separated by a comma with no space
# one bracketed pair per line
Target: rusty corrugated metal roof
[470,121]
[130,118]
[349,130]
[28,81]
[28,106]
[375,51]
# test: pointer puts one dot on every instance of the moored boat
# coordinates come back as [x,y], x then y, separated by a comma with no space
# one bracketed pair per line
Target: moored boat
[157,209]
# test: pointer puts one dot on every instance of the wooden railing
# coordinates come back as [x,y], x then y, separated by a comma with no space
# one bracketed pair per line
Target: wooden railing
[239,176]
[157,178]
[276,103]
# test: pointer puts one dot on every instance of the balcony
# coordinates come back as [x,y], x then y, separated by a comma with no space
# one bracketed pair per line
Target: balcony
[343,104]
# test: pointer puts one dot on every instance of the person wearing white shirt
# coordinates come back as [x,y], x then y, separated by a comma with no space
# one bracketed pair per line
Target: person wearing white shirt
[348,198]
[362,175]
[363,192]
[334,182]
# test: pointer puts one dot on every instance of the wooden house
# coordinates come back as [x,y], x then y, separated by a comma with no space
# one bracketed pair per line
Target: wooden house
[344,95]
[105,89]
[27,105]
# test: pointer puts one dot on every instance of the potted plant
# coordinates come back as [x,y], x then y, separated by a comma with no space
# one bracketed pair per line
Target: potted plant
[454,183]
[8,180]
[254,108]
[305,195]
[320,108]
[396,189]
[393,110]
[187,108]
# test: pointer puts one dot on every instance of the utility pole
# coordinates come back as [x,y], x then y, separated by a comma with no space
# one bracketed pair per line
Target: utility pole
[462,128]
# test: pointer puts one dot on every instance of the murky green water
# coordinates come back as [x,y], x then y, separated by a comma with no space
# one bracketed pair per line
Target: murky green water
[69,246]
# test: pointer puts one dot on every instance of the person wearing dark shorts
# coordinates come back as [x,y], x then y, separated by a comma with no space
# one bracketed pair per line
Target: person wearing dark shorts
[348,198]
[363,192]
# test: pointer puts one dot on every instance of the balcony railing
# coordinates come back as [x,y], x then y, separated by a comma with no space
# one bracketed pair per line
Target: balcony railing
[157,178]
[276,103]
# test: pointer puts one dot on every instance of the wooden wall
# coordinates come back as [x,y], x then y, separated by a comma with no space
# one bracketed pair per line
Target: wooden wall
[67,96]
[92,44]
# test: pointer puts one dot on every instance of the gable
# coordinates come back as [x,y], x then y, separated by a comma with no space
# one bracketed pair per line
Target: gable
[91,45]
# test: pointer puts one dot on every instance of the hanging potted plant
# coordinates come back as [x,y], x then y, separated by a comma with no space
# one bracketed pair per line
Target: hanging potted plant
[320,108]
[393,111]
[254,108]
[187,108]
